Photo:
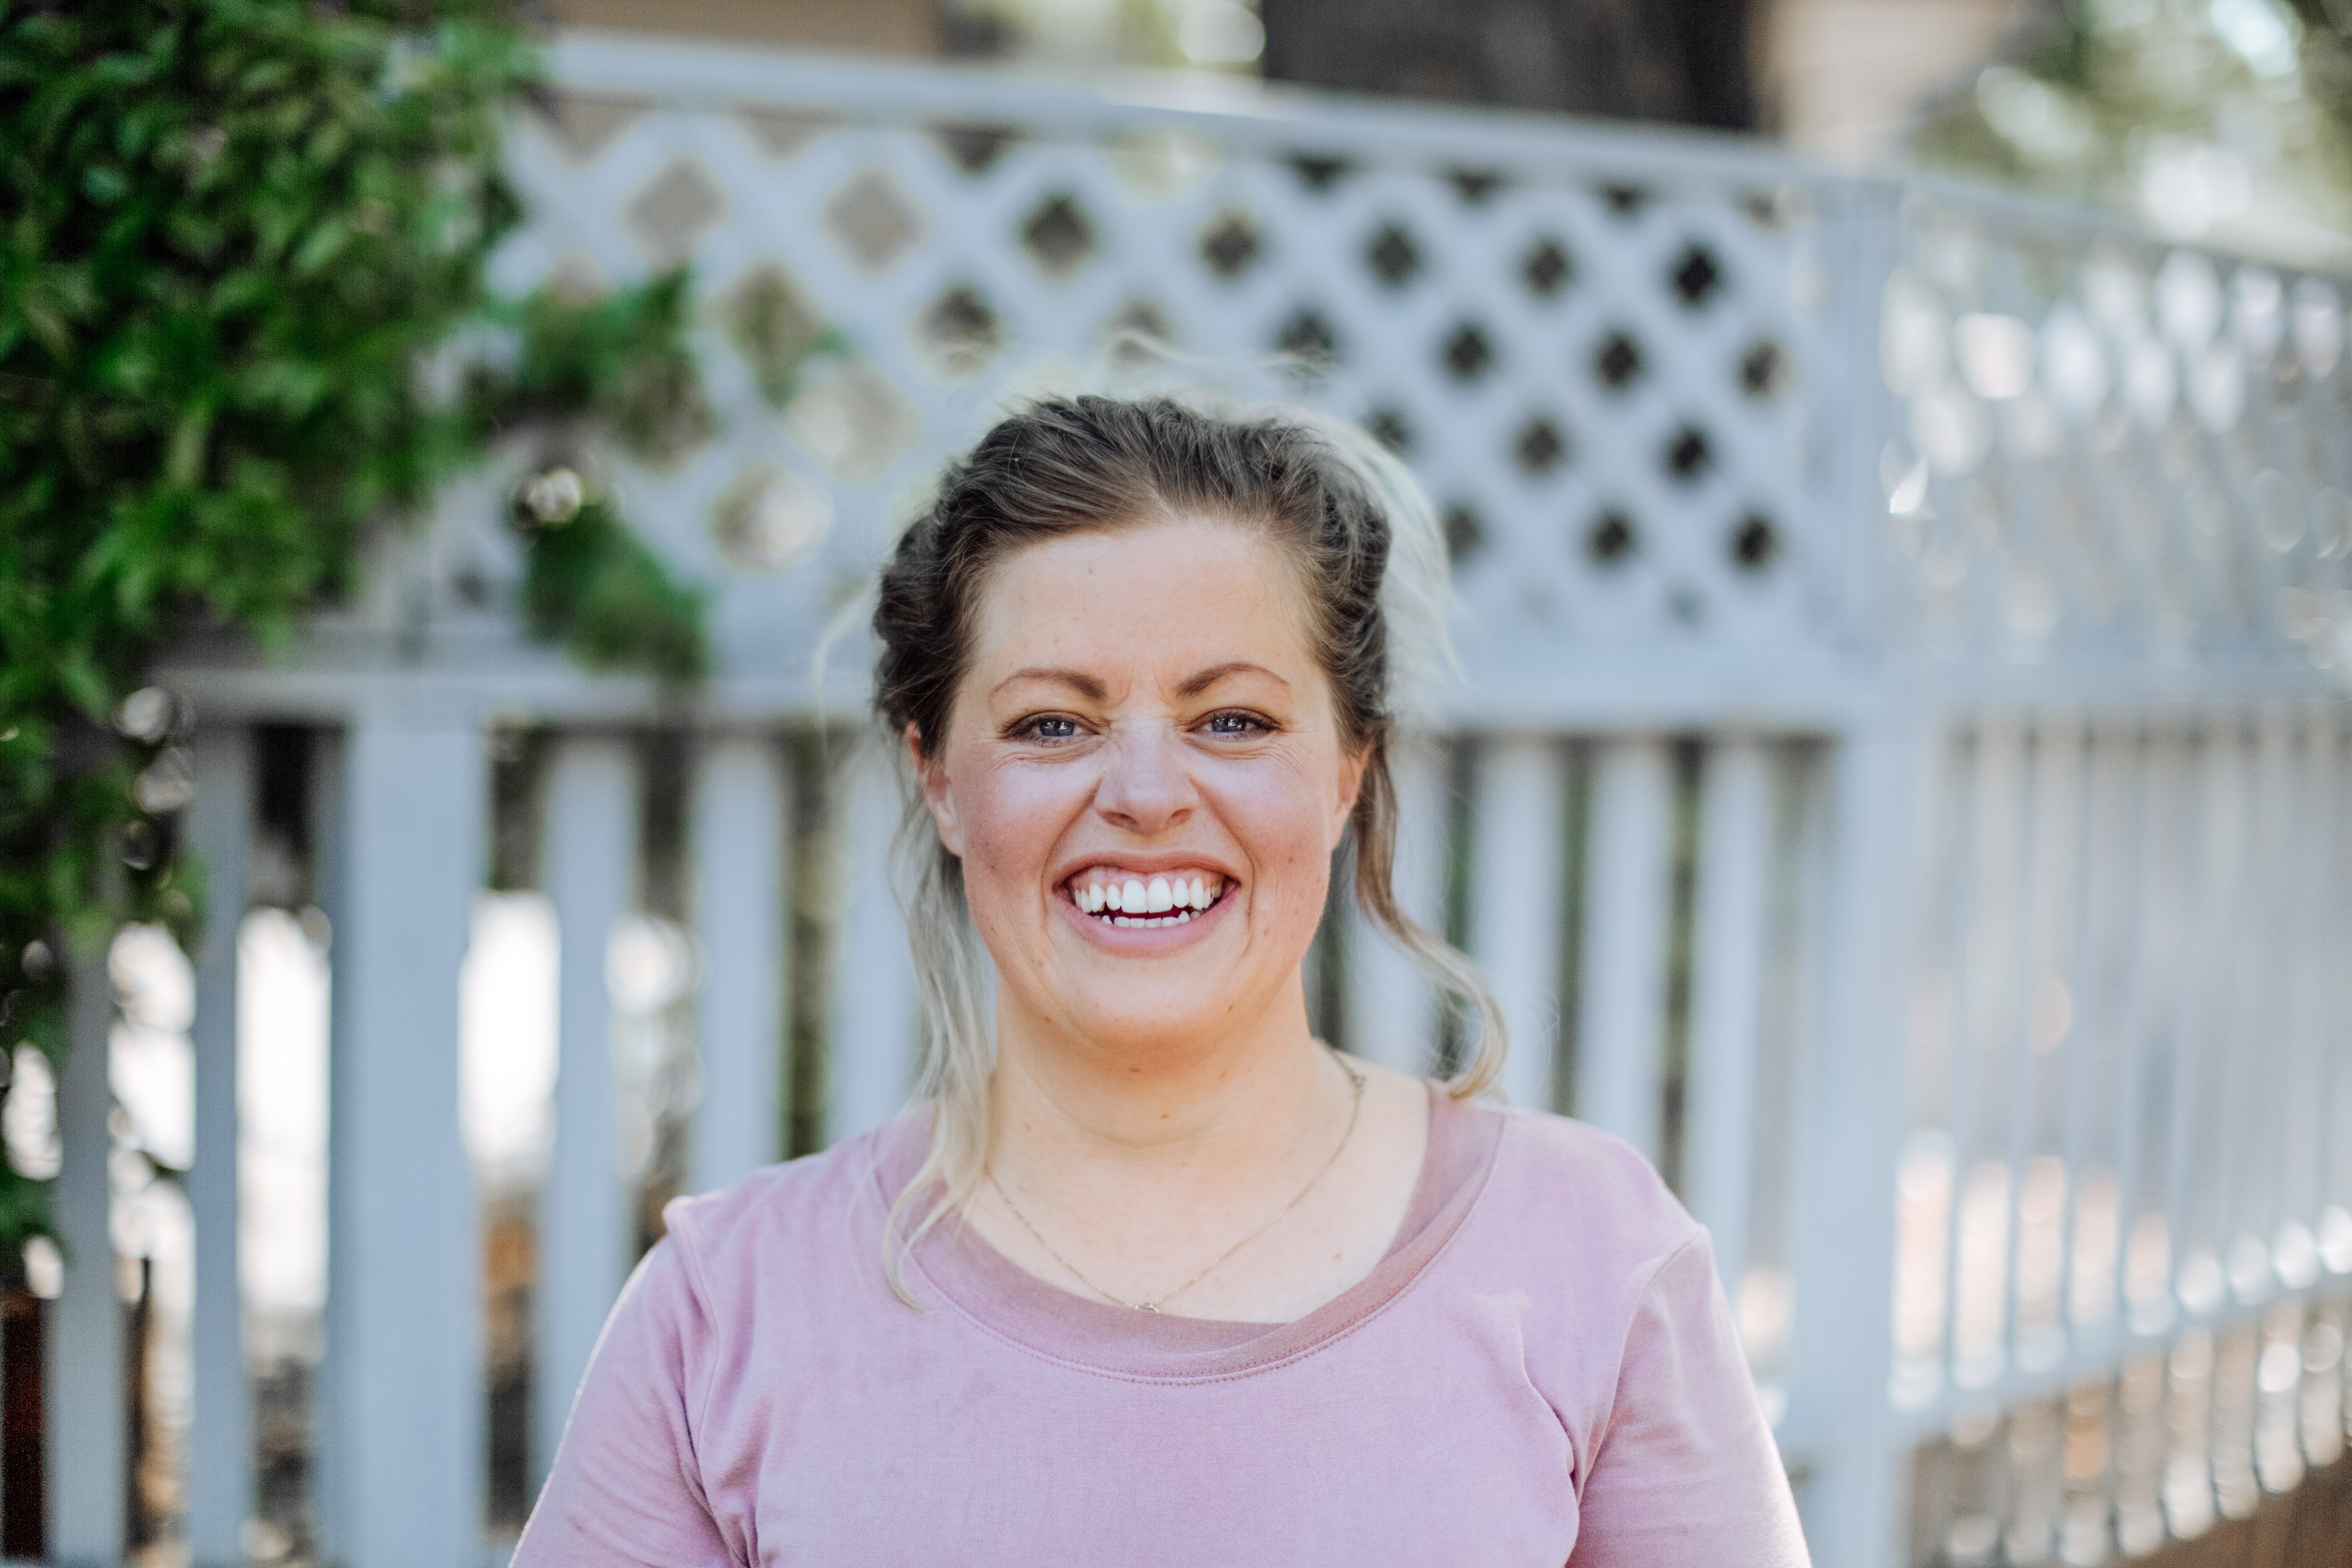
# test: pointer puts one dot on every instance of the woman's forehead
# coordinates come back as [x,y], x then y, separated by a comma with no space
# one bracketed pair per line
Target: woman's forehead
[1153,594]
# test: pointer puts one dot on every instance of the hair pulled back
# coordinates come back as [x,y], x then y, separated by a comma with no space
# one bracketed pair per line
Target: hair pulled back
[1370,561]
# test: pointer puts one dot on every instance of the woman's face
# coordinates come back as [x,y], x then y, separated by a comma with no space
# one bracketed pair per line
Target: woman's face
[1143,777]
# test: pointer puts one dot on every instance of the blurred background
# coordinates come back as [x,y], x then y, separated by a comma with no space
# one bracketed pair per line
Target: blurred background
[1894,454]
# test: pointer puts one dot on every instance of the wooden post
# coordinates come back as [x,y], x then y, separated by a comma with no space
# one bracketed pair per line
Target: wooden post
[220,1442]
[1840,1427]
[401,1428]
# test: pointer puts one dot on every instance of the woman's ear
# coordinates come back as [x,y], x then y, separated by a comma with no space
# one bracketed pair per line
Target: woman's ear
[933,775]
[1351,785]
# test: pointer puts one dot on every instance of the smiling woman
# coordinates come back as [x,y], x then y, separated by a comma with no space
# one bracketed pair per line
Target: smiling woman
[1148,1274]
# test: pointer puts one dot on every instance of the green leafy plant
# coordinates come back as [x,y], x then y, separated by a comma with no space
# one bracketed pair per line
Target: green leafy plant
[2229,122]
[231,233]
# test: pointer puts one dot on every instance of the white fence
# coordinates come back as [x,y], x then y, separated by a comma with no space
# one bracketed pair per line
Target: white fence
[1899,778]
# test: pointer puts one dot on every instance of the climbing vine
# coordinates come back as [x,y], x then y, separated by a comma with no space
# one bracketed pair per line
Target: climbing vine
[234,234]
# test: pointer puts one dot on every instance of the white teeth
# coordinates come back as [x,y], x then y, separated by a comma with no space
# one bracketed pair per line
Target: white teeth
[1120,920]
[1132,897]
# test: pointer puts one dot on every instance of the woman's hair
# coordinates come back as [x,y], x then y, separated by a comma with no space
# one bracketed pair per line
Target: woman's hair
[1371,563]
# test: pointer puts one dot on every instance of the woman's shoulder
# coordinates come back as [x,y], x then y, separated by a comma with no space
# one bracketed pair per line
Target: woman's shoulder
[801,1208]
[1584,1194]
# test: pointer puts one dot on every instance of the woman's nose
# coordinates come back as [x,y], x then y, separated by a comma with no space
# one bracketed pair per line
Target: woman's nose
[1146,788]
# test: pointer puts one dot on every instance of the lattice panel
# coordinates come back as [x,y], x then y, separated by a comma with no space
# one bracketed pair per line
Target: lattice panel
[2112,446]
[1602,379]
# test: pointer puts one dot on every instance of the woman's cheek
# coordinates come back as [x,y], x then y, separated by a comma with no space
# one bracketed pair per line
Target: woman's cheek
[1012,816]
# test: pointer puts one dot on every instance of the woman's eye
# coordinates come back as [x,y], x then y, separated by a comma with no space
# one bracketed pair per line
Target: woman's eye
[1235,724]
[1051,727]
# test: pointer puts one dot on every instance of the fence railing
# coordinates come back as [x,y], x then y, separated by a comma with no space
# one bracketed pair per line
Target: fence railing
[1897,777]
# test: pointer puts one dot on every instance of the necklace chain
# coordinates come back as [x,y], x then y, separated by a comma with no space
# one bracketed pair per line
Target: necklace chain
[1355,1111]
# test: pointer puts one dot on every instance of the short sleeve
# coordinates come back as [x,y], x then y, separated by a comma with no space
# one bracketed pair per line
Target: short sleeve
[624,1488]
[1686,1469]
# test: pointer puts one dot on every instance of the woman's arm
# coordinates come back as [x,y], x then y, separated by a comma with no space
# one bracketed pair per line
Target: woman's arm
[625,1489]
[1686,1470]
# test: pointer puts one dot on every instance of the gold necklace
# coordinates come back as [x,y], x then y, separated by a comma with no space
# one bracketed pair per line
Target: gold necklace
[1355,1111]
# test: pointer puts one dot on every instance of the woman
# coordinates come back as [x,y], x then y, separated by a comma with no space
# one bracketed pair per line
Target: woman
[1153,1276]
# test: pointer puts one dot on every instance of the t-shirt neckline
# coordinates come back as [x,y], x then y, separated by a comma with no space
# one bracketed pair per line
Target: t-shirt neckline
[1009,1302]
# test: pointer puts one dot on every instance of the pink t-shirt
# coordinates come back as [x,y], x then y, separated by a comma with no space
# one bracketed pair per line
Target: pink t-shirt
[1541,1371]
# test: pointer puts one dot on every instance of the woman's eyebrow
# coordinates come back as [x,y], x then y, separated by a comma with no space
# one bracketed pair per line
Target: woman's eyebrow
[1195,685]
[1085,685]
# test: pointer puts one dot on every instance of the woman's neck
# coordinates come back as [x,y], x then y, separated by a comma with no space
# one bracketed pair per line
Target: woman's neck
[1204,1114]
[1237,1164]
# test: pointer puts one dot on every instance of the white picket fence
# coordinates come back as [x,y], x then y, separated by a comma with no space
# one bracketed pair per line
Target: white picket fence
[1898,776]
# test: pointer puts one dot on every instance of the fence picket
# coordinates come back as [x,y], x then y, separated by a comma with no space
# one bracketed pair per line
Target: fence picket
[83,1383]
[740,872]
[1726,997]
[1391,1009]
[220,1439]
[2303,954]
[1619,1036]
[1517,882]
[402,1435]
[585,1230]
[877,1018]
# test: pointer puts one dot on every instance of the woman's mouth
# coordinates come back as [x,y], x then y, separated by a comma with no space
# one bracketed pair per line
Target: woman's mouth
[1141,900]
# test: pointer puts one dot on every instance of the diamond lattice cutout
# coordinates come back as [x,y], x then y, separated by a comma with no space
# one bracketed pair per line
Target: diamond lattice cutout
[1390,429]
[1319,171]
[975,148]
[1137,334]
[853,420]
[960,332]
[769,519]
[1392,255]
[781,132]
[1465,536]
[1469,355]
[1618,361]
[1689,455]
[1755,544]
[1612,541]
[1547,269]
[1309,338]
[1474,186]
[587,123]
[1057,236]
[872,220]
[675,209]
[1697,277]
[1539,445]
[1230,245]
[1763,370]
[773,326]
